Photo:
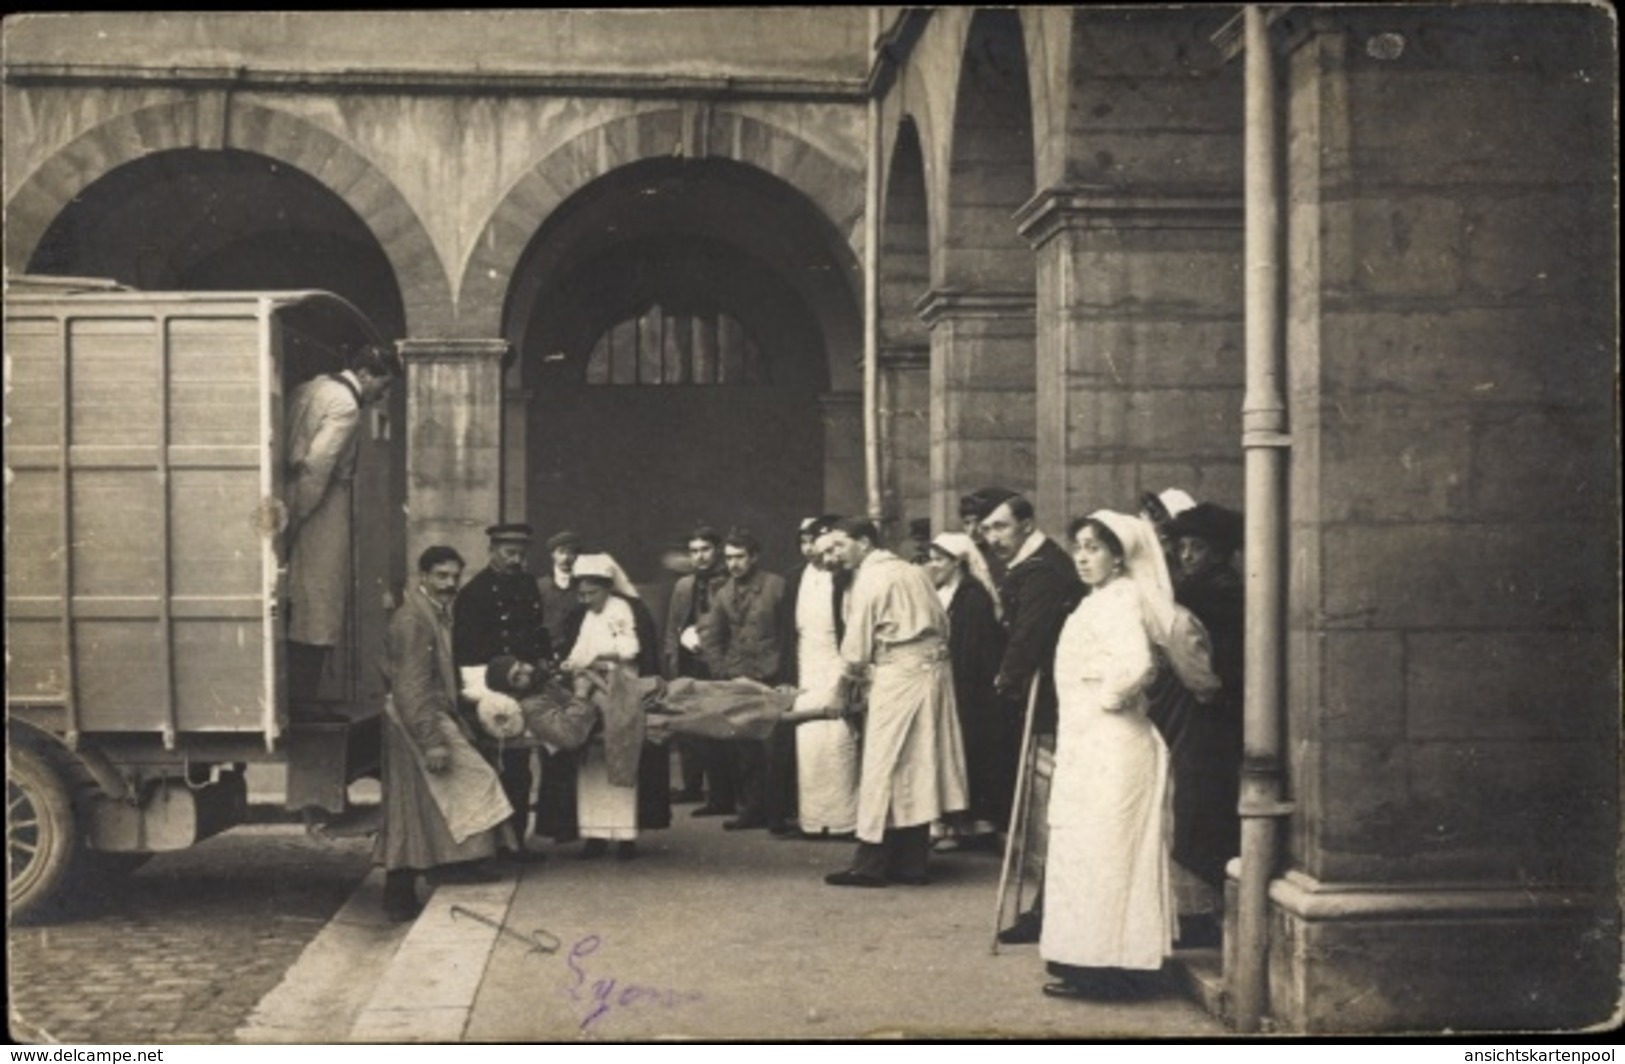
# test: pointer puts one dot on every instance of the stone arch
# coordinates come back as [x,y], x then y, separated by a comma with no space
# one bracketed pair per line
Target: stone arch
[836,190]
[905,342]
[264,131]
[990,169]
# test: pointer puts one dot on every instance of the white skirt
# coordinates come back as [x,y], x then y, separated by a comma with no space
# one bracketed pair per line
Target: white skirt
[603,811]
[827,776]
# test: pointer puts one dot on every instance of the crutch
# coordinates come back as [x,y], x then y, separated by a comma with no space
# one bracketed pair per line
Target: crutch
[1016,839]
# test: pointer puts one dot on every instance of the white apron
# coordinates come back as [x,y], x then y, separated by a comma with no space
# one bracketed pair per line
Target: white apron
[826,750]
[913,761]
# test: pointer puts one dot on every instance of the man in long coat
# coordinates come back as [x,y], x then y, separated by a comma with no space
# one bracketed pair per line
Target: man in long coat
[1041,587]
[323,436]
[913,769]
[443,804]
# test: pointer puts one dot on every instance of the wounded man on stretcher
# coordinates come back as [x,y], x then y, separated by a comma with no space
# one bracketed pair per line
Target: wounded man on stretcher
[526,707]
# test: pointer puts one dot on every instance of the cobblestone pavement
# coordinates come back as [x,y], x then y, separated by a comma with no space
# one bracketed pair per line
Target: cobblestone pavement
[183,950]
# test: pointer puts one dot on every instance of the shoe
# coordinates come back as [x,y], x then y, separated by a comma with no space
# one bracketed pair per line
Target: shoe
[992,843]
[466,873]
[1072,991]
[594,848]
[850,878]
[403,911]
[401,896]
[910,880]
[1024,931]
[780,829]
[1102,985]
[625,851]
[306,713]
[687,797]
[1201,931]
[712,810]
[743,824]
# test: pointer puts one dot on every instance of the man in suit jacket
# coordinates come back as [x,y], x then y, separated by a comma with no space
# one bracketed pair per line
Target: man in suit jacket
[742,638]
[704,761]
[1041,587]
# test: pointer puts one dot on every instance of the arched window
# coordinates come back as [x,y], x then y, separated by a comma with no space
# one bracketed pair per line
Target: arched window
[660,348]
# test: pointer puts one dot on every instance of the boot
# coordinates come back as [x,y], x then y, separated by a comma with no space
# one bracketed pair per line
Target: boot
[401,895]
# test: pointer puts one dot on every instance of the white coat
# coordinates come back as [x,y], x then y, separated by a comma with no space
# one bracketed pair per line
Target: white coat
[913,768]
[1108,900]
[324,418]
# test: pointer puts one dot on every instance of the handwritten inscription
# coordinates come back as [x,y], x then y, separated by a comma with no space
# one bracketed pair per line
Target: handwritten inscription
[599,995]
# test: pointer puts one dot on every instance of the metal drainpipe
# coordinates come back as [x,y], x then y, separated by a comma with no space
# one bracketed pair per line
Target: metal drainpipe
[1265,444]
[871,298]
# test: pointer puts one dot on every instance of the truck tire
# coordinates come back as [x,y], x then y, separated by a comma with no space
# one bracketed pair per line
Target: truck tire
[42,836]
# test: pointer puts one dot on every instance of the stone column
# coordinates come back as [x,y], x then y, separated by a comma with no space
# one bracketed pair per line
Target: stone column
[905,433]
[516,401]
[1453,648]
[844,490]
[982,419]
[453,443]
[1139,366]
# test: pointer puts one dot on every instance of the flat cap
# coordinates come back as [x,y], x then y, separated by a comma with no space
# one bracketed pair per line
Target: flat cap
[983,501]
[513,532]
[565,538]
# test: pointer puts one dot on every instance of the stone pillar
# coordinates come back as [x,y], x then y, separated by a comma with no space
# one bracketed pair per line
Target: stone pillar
[844,489]
[453,443]
[1139,365]
[905,433]
[982,419]
[516,402]
[1453,649]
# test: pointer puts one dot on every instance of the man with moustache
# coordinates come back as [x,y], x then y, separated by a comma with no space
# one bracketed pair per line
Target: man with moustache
[913,762]
[704,761]
[498,612]
[444,811]
[1040,589]
[741,639]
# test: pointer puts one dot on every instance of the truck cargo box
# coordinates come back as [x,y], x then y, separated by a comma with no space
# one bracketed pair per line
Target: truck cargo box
[144,487]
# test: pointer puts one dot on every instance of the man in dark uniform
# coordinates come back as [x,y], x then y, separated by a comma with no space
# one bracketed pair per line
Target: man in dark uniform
[973,510]
[1041,587]
[499,611]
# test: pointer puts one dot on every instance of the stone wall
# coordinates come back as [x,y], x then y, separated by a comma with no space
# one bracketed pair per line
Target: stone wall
[1139,357]
[779,42]
[1454,643]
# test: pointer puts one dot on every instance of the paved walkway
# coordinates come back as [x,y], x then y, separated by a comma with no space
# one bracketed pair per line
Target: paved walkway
[709,935]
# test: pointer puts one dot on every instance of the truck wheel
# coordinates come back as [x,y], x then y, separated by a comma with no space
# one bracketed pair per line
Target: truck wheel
[41,834]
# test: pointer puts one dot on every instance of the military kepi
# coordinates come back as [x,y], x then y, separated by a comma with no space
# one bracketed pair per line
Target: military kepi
[509,533]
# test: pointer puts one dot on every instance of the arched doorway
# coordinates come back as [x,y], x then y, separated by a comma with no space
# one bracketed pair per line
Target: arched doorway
[984,398]
[193,220]
[188,220]
[676,323]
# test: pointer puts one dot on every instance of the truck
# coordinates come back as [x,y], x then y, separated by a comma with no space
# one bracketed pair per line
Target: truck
[145,570]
